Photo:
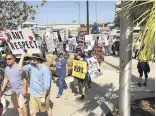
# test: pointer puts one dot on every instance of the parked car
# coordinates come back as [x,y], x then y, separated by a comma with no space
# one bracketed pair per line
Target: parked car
[95,30]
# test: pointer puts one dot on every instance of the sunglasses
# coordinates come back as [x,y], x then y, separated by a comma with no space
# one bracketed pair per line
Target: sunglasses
[9,58]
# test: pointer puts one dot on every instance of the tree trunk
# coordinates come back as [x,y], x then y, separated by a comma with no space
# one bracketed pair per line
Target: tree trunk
[125,64]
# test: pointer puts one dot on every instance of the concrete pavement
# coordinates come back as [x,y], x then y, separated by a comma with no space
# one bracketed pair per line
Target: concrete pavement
[101,98]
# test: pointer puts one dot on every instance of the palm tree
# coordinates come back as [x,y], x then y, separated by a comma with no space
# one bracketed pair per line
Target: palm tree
[141,13]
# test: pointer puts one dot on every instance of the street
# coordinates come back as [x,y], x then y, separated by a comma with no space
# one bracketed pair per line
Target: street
[101,98]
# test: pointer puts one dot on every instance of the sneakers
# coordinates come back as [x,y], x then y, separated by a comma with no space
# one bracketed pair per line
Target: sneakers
[58,96]
[139,84]
[144,84]
[65,87]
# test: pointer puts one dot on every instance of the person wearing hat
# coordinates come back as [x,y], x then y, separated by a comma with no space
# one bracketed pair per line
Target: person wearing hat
[40,84]
[18,85]
[61,72]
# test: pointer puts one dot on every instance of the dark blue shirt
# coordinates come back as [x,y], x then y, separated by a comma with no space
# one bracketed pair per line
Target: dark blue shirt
[61,67]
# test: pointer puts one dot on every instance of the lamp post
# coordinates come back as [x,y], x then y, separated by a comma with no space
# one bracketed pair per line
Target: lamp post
[87,5]
[79,11]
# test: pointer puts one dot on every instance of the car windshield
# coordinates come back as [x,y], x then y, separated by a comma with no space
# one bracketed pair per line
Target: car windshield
[94,28]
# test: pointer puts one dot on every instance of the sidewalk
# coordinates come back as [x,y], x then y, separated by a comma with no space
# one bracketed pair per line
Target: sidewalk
[101,98]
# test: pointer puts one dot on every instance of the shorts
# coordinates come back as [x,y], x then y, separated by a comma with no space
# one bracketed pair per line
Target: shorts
[36,106]
[18,100]
[143,67]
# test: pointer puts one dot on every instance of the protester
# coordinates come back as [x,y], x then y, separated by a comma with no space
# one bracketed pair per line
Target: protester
[117,46]
[74,43]
[79,47]
[96,42]
[88,78]
[40,84]
[17,83]
[143,67]
[106,46]
[110,46]
[67,48]
[113,46]
[64,46]
[81,82]
[137,47]
[62,72]
[44,45]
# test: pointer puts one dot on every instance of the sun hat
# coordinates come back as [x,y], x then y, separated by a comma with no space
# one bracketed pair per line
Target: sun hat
[37,56]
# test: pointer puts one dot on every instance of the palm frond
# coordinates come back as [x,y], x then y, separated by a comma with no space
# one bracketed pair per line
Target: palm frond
[146,17]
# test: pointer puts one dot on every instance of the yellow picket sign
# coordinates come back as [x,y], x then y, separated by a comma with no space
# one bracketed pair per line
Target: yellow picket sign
[79,69]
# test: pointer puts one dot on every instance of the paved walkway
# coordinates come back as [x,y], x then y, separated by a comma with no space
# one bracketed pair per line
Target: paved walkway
[101,98]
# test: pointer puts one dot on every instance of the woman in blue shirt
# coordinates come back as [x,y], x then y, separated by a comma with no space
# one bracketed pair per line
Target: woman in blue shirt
[61,71]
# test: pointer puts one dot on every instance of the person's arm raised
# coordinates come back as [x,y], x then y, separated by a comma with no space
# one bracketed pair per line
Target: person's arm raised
[21,62]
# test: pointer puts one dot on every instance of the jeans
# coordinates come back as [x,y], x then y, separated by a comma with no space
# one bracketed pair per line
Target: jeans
[88,79]
[62,84]
[107,52]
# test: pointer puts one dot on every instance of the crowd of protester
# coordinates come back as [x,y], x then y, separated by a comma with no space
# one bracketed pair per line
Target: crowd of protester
[39,76]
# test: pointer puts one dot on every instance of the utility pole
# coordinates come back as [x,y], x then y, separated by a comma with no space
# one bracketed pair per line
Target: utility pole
[96,10]
[87,17]
[125,63]
[79,12]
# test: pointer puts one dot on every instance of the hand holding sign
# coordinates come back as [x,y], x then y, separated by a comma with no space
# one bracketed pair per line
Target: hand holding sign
[79,69]
[21,41]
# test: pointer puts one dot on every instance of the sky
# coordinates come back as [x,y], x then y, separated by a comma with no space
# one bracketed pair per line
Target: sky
[65,12]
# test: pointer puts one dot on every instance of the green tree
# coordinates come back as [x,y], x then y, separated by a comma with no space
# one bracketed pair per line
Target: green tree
[14,13]
[143,14]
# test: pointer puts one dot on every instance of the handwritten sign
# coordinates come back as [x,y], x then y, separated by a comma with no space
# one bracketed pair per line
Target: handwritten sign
[79,69]
[21,41]
[50,43]
[93,68]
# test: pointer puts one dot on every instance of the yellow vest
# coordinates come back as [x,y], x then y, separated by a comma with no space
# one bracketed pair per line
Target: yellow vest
[143,57]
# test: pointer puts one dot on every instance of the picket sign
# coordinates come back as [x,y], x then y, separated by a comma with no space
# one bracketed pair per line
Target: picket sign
[79,69]
[21,41]
[55,36]
[50,42]
[93,68]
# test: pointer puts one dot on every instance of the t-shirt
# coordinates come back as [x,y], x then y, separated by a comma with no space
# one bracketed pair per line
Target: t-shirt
[14,77]
[61,67]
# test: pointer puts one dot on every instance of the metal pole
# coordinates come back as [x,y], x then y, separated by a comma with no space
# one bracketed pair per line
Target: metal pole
[87,16]
[96,10]
[79,12]
[125,64]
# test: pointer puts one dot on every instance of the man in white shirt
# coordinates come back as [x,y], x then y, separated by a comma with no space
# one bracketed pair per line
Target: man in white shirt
[106,46]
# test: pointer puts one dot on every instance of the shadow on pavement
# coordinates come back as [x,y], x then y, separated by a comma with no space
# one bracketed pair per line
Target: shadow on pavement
[98,97]
[102,96]
[139,92]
